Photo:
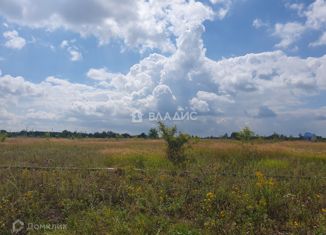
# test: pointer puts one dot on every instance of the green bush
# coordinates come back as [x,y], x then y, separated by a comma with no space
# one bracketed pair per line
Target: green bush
[153,133]
[3,137]
[246,134]
[176,143]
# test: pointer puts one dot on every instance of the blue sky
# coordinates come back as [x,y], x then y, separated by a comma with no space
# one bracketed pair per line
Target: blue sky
[90,65]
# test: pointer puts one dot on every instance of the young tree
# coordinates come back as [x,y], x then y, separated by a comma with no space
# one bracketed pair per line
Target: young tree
[153,133]
[176,143]
[246,134]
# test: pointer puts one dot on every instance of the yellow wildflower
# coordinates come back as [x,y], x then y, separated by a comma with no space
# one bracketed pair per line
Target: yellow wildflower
[29,194]
[295,224]
[210,194]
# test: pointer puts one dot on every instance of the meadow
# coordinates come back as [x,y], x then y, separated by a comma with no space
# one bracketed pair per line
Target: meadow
[225,187]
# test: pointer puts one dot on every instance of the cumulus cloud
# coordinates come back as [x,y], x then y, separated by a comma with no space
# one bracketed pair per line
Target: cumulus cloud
[13,40]
[255,88]
[224,9]
[17,86]
[315,19]
[316,14]
[139,24]
[99,74]
[289,33]
[266,90]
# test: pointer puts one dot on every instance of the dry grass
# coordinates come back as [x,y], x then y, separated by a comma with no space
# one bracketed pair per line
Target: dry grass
[163,199]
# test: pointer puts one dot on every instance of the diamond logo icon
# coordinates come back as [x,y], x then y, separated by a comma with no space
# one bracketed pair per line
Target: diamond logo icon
[17,226]
[137,117]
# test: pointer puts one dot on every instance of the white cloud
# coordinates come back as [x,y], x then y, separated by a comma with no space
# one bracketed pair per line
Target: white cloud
[298,7]
[199,105]
[224,9]
[264,90]
[260,89]
[291,32]
[258,23]
[13,40]
[75,54]
[99,74]
[41,115]
[320,42]
[139,24]
[13,86]
[316,15]
[64,44]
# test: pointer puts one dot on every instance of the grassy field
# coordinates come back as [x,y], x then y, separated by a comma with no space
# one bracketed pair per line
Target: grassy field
[227,187]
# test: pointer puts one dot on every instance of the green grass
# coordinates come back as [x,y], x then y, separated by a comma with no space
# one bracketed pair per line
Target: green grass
[163,199]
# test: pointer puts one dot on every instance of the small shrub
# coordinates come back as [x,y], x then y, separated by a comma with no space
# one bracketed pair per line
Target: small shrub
[246,134]
[3,137]
[176,143]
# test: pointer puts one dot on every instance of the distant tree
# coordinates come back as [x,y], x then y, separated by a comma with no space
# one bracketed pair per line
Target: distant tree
[65,134]
[153,133]
[275,136]
[225,136]
[125,135]
[318,137]
[47,135]
[176,143]
[111,134]
[246,134]
[234,135]
[142,135]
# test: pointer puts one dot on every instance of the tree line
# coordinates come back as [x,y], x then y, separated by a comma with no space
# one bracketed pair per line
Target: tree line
[153,133]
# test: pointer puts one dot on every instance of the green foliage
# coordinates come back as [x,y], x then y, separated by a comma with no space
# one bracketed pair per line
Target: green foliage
[47,135]
[246,134]
[153,133]
[164,199]
[3,137]
[176,143]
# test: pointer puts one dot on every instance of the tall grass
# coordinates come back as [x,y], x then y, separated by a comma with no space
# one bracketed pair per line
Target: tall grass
[228,188]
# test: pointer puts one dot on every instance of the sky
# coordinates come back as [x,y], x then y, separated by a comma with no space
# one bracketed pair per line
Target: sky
[91,65]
